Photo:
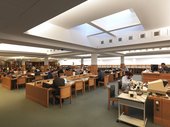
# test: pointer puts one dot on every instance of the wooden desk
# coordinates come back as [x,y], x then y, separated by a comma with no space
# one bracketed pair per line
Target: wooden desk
[147,77]
[9,83]
[38,94]
[161,110]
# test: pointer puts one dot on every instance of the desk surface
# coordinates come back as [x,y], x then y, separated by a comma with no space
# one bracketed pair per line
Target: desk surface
[141,98]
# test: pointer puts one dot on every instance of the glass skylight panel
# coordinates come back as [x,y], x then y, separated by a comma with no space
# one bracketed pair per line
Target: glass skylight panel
[119,20]
[128,30]
[102,36]
[86,29]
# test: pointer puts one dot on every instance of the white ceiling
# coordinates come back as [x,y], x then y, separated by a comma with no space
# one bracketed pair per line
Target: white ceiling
[16,17]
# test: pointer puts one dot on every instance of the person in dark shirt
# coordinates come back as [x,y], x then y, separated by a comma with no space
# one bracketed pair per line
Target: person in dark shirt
[100,76]
[57,82]
[164,68]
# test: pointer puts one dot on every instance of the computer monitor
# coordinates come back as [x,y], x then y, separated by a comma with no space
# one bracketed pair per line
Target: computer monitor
[154,67]
[157,86]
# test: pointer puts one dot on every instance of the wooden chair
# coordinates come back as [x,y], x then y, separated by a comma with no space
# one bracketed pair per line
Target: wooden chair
[91,82]
[105,82]
[65,93]
[79,85]
[21,81]
[111,95]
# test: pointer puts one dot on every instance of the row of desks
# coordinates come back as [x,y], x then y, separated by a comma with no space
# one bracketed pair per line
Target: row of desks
[42,95]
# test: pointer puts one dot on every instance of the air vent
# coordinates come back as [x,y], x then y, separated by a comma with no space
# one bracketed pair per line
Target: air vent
[142,35]
[120,39]
[157,33]
[102,42]
[130,37]
[110,41]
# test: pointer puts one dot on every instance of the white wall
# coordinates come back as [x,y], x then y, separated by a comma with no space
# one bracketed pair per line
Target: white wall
[151,59]
[129,60]
[70,62]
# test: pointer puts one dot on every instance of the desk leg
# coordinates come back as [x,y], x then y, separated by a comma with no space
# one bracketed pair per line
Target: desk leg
[118,111]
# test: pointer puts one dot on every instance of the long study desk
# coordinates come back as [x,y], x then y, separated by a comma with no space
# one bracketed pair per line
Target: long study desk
[147,77]
[41,95]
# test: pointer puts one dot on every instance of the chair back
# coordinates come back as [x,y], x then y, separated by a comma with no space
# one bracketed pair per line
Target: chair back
[91,81]
[65,91]
[78,85]
[112,91]
[106,80]
[21,80]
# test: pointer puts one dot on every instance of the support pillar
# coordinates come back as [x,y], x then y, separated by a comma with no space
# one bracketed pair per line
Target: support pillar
[46,63]
[93,68]
[23,65]
[122,64]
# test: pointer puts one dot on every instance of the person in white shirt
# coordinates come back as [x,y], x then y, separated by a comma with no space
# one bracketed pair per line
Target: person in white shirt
[126,80]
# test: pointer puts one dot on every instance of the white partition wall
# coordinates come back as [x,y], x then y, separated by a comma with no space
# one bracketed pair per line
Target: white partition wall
[128,60]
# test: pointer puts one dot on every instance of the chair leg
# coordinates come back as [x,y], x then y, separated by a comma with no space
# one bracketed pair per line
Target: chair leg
[108,104]
[89,88]
[82,91]
[54,100]
[75,92]
[60,103]
[70,99]
[105,85]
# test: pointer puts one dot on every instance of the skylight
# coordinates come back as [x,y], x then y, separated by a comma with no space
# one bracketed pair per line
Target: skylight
[86,29]
[128,30]
[119,20]
[19,48]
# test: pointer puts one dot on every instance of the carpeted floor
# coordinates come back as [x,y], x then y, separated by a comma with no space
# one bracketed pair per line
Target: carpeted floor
[88,110]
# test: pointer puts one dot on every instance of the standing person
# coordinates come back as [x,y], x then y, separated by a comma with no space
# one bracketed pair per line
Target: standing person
[164,68]
[126,80]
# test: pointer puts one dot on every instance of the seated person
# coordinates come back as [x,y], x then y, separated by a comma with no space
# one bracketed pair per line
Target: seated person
[37,72]
[126,81]
[100,76]
[49,75]
[57,82]
[164,68]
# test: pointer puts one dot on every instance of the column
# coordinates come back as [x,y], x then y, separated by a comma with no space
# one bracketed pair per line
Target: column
[23,65]
[46,63]
[122,64]
[82,62]
[93,68]
[93,59]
